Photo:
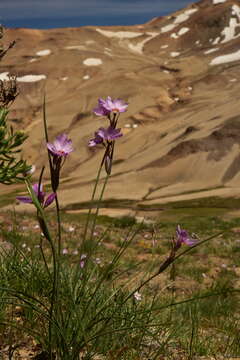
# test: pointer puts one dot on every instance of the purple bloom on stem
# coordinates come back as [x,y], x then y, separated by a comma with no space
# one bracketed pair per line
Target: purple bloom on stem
[105,107]
[102,134]
[62,146]
[40,195]
[184,238]
[59,149]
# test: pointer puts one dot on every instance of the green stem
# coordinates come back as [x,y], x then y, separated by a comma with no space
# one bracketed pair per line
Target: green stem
[98,205]
[102,192]
[59,225]
[53,298]
[43,255]
[91,201]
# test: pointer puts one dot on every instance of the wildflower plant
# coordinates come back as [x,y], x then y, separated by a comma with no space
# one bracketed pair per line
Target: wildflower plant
[84,312]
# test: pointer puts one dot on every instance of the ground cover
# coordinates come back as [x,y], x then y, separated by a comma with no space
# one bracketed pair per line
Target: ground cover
[197,312]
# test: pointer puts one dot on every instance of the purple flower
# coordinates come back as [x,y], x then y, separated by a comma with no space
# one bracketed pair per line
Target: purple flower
[62,146]
[105,107]
[40,195]
[59,149]
[183,238]
[105,134]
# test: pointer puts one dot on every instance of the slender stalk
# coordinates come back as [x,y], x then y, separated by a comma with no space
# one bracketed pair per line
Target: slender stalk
[190,357]
[103,189]
[98,205]
[53,298]
[91,201]
[43,256]
[59,225]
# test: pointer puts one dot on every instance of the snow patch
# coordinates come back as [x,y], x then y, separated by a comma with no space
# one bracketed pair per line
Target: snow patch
[32,60]
[138,48]
[218,1]
[234,23]
[182,17]
[64,78]
[216,41]
[211,51]
[4,76]
[86,77]
[178,20]
[31,78]
[25,78]
[75,47]
[43,52]
[226,58]
[119,34]
[174,36]
[182,31]
[164,46]
[175,53]
[92,62]
[167,28]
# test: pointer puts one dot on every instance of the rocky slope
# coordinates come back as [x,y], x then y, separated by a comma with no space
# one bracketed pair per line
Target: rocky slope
[180,75]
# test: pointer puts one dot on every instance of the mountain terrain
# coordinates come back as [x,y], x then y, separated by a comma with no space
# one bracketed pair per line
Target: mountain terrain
[180,75]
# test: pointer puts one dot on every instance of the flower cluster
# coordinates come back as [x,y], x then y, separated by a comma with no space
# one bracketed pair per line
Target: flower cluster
[40,194]
[111,108]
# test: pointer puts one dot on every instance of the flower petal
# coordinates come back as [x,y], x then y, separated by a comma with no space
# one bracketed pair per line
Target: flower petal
[49,199]
[24,199]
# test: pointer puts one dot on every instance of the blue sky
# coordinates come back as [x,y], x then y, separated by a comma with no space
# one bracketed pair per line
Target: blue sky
[64,13]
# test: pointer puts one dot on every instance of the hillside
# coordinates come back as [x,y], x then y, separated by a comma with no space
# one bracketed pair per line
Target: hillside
[180,75]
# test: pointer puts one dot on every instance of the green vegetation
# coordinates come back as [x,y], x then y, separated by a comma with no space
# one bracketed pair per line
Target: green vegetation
[12,168]
[187,312]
